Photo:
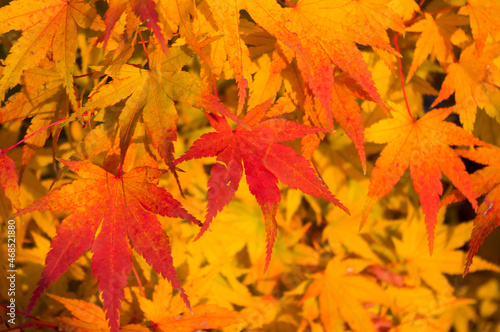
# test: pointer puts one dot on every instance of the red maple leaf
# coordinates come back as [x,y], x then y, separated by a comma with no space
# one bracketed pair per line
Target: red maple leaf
[253,144]
[8,180]
[124,206]
[485,182]
[145,9]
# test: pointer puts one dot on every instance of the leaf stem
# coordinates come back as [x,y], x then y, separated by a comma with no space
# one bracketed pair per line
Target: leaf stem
[144,47]
[288,2]
[401,75]
[413,20]
[139,282]
[421,3]
[119,172]
[142,290]
[21,312]
[27,325]
[37,132]
[33,134]
[84,75]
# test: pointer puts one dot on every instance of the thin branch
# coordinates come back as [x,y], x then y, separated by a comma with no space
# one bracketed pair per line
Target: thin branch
[413,20]
[33,134]
[37,132]
[144,47]
[84,75]
[401,75]
[142,290]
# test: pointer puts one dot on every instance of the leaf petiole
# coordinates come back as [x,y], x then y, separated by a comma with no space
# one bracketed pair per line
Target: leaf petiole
[37,132]
[144,47]
[401,75]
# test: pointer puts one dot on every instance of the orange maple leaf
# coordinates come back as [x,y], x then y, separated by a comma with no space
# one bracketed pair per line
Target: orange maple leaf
[204,316]
[88,317]
[151,94]
[347,113]
[166,311]
[45,24]
[474,81]
[424,146]
[483,16]
[226,14]
[485,182]
[254,144]
[123,206]
[345,109]
[42,98]
[322,33]
[435,38]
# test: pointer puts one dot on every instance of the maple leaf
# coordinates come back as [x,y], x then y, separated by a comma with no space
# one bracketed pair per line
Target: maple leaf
[322,32]
[44,99]
[344,230]
[428,309]
[483,20]
[345,109]
[405,8]
[168,314]
[236,230]
[314,59]
[341,291]
[88,317]
[474,81]
[435,38]
[226,14]
[8,180]
[485,182]
[151,93]
[422,145]
[266,83]
[265,162]
[122,206]
[33,262]
[204,316]
[145,9]
[347,113]
[191,25]
[45,24]
[447,257]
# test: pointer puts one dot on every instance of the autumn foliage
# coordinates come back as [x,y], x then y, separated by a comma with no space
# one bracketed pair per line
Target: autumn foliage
[310,165]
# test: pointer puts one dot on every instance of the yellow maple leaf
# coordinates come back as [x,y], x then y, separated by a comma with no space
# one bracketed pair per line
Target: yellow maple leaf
[447,258]
[168,313]
[342,292]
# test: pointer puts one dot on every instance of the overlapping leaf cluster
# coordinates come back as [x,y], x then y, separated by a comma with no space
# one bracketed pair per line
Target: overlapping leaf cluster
[134,116]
